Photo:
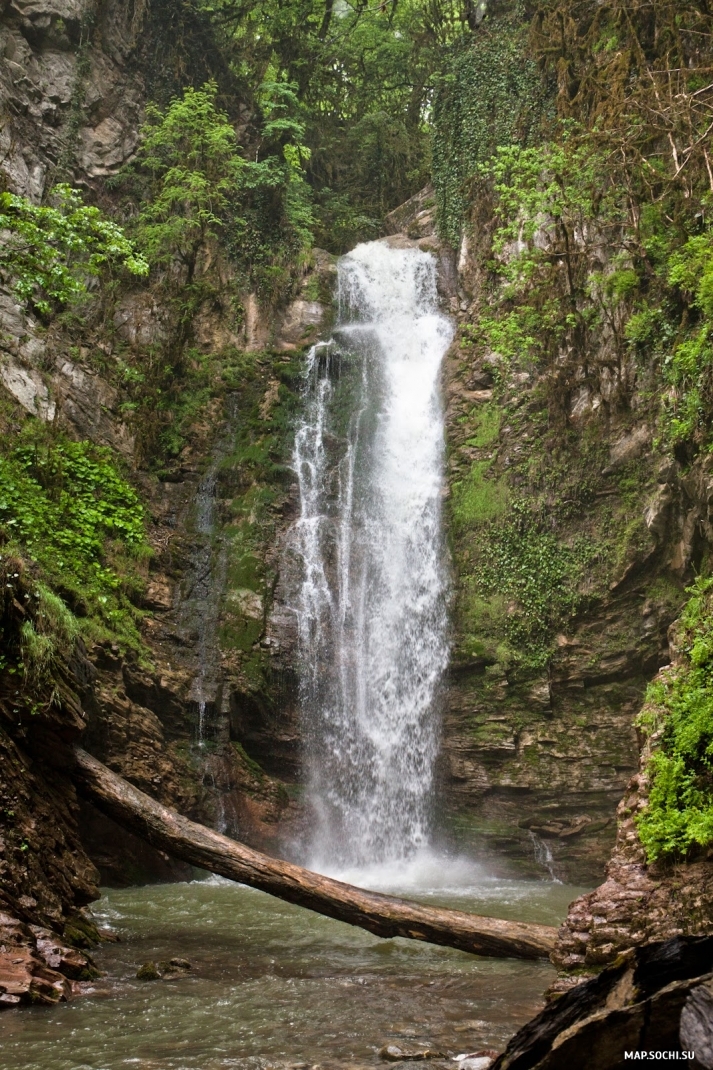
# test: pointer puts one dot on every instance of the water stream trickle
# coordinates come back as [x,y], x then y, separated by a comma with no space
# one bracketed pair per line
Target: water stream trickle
[543,855]
[371,607]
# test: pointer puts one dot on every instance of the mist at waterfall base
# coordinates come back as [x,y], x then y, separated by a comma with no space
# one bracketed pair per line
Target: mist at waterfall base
[372,604]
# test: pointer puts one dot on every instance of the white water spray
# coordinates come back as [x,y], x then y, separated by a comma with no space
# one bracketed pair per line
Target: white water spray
[371,606]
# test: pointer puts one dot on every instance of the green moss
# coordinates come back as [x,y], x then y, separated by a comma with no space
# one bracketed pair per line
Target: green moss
[523,585]
[245,570]
[254,767]
[490,733]
[255,667]
[477,499]
[489,419]
[240,633]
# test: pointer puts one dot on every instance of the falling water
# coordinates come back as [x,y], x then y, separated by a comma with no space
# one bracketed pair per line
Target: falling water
[543,855]
[371,607]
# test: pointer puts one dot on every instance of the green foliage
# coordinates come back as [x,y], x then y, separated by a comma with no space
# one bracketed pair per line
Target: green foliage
[284,128]
[66,506]
[691,270]
[556,207]
[191,154]
[556,184]
[602,227]
[690,364]
[47,638]
[519,581]
[537,574]
[49,251]
[490,95]
[197,186]
[679,711]
[364,72]
[545,201]
[613,60]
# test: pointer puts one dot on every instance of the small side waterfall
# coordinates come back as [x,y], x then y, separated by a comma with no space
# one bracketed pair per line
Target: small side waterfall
[371,608]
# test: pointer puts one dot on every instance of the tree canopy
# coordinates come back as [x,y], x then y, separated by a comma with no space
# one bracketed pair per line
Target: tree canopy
[363,74]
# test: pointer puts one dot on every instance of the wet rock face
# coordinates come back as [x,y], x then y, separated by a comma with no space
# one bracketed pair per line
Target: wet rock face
[72,87]
[36,966]
[538,741]
[45,874]
[636,903]
[60,54]
[73,81]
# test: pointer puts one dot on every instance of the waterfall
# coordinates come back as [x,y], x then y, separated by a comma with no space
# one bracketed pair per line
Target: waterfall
[371,605]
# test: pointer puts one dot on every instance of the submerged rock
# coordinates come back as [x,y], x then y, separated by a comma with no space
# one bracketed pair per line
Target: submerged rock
[149,971]
[174,968]
[167,971]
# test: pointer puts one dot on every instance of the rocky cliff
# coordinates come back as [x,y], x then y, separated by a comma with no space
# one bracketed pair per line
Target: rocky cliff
[579,469]
[195,708]
[544,459]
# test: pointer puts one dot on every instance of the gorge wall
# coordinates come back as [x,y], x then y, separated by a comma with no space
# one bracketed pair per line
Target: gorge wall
[535,759]
[580,470]
[540,754]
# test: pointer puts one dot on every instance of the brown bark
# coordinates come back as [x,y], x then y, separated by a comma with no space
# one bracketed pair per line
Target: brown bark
[383,915]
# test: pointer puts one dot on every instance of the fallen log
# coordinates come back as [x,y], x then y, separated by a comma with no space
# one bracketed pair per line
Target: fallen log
[382,915]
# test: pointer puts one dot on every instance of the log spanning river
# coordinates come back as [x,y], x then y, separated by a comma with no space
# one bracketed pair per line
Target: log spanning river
[272,985]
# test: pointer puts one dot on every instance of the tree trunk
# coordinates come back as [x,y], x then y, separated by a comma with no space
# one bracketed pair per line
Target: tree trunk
[383,915]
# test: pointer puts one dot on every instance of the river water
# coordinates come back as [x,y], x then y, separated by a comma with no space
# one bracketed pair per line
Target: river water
[276,986]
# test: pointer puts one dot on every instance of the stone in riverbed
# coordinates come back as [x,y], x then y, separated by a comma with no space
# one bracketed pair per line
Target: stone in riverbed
[149,971]
[174,968]
[477,1060]
[167,971]
[394,1053]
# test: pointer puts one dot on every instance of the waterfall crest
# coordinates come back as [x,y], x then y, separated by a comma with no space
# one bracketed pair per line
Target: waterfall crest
[371,606]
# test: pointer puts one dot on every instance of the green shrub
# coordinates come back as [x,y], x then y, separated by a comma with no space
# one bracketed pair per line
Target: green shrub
[197,186]
[679,708]
[65,505]
[49,251]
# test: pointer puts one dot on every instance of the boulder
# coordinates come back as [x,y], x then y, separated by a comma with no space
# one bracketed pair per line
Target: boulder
[657,997]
